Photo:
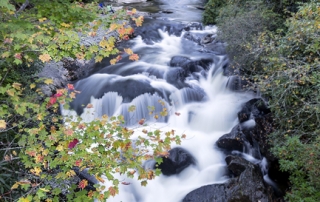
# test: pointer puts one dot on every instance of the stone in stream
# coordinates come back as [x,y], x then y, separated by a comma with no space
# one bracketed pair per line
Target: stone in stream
[177,161]
[248,186]
[254,108]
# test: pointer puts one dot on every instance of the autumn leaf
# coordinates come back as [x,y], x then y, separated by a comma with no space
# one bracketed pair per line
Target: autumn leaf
[10,92]
[113,27]
[83,184]
[184,136]
[3,124]
[134,57]
[125,183]
[89,106]
[32,85]
[72,95]
[68,132]
[141,122]
[113,61]
[177,113]
[45,57]
[128,51]
[113,191]
[70,86]
[52,100]
[73,143]
[48,81]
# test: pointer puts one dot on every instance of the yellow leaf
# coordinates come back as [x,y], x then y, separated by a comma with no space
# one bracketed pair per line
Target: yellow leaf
[3,124]
[45,57]
[32,85]
[44,189]
[59,148]
[48,81]
[42,19]
[103,43]
[133,11]
[128,51]
[23,200]
[10,92]
[15,186]
[65,25]
[16,86]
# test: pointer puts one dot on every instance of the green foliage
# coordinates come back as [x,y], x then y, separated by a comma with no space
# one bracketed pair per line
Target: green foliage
[39,149]
[212,9]
[291,79]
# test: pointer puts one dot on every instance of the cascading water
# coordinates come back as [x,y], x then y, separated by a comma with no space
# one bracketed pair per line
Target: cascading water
[175,68]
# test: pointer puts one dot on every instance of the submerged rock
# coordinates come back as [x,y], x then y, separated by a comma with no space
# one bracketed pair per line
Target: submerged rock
[177,161]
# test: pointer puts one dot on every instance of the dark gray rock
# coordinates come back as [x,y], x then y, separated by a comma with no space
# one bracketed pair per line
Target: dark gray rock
[247,187]
[235,140]
[239,84]
[236,164]
[209,193]
[252,109]
[177,161]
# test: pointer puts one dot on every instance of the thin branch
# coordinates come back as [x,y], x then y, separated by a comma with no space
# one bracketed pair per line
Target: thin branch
[24,5]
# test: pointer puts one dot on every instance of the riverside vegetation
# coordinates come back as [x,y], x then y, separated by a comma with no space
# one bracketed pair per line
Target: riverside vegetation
[40,156]
[276,44]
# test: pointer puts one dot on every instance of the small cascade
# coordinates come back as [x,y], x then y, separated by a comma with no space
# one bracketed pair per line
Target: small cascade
[180,73]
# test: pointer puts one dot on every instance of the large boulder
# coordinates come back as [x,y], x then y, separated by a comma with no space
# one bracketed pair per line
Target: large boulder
[247,186]
[254,108]
[177,161]
[235,140]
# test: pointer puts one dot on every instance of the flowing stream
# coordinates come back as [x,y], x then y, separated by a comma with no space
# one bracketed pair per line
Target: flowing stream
[177,69]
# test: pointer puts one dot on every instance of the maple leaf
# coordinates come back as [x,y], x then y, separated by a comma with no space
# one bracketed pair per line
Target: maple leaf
[83,184]
[133,11]
[125,183]
[184,136]
[48,81]
[134,57]
[18,56]
[103,43]
[68,132]
[113,27]
[113,191]
[128,51]
[52,100]
[70,86]
[45,57]
[72,95]
[113,61]
[3,124]
[89,106]
[141,122]
[73,143]
[78,162]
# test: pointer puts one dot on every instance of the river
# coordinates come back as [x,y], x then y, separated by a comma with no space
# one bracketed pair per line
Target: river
[178,67]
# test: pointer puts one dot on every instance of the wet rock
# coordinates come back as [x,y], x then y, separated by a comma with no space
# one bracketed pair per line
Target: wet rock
[235,140]
[248,186]
[177,161]
[189,65]
[238,84]
[263,127]
[254,108]
[236,164]
[207,39]
[176,77]
[209,193]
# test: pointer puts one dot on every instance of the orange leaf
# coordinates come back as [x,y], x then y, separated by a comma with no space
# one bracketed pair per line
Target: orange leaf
[45,57]
[83,184]
[134,57]
[128,51]
[113,191]
[141,122]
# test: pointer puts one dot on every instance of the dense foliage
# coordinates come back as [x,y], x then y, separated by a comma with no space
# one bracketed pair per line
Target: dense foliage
[283,60]
[42,153]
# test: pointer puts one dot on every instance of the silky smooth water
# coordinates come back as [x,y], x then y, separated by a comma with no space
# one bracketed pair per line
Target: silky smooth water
[207,108]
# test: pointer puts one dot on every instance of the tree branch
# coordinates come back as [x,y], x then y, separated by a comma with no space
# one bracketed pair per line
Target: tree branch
[24,5]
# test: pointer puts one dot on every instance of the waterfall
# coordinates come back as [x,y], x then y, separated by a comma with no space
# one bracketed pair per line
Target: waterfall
[174,67]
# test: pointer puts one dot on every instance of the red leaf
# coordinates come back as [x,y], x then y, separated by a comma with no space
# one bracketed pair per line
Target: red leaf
[141,122]
[73,143]
[57,95]
[52,100]
[125,183]
[70,87]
